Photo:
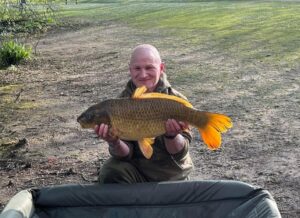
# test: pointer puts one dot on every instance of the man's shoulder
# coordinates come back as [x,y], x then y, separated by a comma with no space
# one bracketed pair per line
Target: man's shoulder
[172,91]
[128,90]
[125,94]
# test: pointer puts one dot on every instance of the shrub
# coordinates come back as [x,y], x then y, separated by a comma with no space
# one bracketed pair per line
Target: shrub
[11,53]
[33,17]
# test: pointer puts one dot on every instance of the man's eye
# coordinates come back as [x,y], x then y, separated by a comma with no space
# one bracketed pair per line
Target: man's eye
[149,68]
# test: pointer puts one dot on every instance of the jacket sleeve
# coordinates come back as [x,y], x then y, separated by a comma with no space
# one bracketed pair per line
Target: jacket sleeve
[128,157]
[186,134]
[181,154]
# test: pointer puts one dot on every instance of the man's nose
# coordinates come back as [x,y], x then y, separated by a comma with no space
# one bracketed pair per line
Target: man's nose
[143,72]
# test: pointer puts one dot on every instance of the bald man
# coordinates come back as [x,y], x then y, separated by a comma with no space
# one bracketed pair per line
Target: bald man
[171,160]
[146,67]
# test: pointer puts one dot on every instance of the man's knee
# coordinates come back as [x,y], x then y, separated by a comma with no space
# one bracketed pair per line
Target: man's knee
[116,171]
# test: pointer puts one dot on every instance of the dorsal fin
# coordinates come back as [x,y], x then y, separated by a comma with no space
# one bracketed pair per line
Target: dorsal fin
[139,91]
[141,94]
[165,96]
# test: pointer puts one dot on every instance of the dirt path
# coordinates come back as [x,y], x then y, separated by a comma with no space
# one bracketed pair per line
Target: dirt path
[77,67]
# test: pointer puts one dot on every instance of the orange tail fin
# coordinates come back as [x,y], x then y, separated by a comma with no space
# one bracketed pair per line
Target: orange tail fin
[211,132]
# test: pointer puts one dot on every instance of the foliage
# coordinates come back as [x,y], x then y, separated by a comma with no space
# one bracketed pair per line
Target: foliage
[25,18]
[11,53]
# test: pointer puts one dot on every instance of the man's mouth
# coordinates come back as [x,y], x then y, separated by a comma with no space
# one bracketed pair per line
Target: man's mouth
[143,80]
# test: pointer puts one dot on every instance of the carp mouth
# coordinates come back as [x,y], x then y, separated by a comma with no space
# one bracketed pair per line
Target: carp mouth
[84,124]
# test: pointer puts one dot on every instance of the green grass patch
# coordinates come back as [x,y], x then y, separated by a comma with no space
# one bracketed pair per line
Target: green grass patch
[9,99]
[12,53]
[265,31]
[8,89]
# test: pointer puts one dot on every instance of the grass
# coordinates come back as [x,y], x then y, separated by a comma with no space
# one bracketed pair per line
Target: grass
[9,102]
[264,31]
[9,106]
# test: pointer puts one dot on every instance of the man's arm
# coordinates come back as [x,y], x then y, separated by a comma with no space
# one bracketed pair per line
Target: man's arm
[175,145]
[174,141]
[117,147]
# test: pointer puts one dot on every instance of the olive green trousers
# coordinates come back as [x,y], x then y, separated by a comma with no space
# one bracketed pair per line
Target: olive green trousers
[117,171]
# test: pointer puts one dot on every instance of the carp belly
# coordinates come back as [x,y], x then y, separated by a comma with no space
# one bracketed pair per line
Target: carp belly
[130,129]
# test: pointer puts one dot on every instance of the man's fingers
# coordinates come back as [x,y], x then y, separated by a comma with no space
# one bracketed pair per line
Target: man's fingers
[101,130]
[96,129]
[175,125]
[169,126]
[105,131]
[172,127]
[183,125]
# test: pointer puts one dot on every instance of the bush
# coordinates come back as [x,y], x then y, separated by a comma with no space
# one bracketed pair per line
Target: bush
[33,17]
[11,53]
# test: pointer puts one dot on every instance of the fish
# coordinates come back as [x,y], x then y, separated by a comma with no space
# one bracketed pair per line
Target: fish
[142,117]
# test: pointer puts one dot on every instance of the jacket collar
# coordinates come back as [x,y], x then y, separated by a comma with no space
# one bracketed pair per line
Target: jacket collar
[162,86]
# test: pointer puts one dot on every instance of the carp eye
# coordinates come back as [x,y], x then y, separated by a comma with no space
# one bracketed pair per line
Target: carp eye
[86,117]
[89,117]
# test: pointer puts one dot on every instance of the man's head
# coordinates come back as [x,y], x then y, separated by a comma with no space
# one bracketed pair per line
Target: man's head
[146,66]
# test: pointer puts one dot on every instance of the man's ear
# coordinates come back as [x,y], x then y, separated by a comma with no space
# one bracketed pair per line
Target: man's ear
[162,67]
[129,69]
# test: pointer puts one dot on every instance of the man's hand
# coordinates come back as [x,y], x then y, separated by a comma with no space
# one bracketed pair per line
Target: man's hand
[105,133]
[116,146]
[175,142]
[174,127]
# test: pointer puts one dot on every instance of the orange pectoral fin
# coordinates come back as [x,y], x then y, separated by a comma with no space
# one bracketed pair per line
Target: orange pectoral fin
[146,147]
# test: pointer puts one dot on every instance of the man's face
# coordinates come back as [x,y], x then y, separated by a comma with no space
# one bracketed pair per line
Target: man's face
[145,70]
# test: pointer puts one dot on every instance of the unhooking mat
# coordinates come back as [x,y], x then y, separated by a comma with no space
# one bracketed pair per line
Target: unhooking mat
[184,199]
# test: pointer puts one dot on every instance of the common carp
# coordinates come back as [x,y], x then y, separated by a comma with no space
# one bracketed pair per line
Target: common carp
[143,117]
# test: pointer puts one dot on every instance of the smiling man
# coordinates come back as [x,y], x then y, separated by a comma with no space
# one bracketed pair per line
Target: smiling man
[171,159]
[146,67]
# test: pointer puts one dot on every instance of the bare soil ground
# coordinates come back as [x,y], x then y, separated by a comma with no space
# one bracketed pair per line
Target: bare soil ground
[41,143]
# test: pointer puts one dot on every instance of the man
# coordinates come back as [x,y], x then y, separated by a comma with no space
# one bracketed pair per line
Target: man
[171,159]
